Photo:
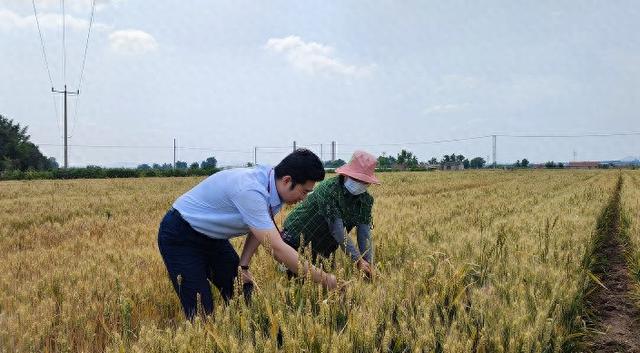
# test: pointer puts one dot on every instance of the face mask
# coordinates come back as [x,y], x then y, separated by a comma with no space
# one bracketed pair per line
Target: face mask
[354,187]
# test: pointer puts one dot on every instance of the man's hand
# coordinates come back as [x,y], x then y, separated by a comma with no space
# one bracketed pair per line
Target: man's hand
[246,276]
[247,285]
[287,255]
[365,267]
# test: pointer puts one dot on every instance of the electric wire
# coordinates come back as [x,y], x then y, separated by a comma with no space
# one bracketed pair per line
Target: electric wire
[64,45]
[86,44]
[84,60]
[418,143]
[44,51]
[280,150]
[573,135]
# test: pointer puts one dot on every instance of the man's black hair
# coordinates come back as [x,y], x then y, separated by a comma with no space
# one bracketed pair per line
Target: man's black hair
[301,165]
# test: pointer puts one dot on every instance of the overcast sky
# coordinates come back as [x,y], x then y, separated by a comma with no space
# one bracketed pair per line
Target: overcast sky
[231,75]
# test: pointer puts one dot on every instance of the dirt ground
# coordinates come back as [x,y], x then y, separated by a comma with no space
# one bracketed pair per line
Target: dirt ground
[616,317]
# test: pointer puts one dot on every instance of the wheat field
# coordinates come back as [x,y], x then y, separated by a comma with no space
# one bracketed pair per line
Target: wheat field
[484,261]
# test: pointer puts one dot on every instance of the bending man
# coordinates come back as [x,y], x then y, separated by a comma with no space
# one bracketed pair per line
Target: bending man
[194,234]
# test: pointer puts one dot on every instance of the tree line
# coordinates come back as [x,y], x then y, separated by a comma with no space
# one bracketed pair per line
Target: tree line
[17,152]
[21,159]
[406,160]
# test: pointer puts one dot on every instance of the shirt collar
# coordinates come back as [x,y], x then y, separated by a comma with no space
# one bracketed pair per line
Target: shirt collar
[274,198]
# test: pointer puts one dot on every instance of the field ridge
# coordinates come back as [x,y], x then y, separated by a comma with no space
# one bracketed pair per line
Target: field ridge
[615,319]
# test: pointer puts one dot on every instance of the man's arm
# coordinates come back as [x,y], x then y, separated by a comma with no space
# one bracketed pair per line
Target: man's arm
[249,248]
[271,240]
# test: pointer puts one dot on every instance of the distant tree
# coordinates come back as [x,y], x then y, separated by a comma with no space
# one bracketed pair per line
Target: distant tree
[249,165]
[553,165]
[17,152]
[477,163]
[166,166]
[524,163]
[517,164]
[209,163]
[181,165]
[459,158]
[446,159]
[143,166]
[466,164]
[194,165]
[53,164]
[407,159]
[386,162]
[156,166]
[334,164]
[433,160]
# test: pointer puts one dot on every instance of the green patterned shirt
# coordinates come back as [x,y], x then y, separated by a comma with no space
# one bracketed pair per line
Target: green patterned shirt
[328,201]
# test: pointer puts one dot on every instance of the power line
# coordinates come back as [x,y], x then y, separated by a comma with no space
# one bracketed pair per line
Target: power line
[64,44]
[573,135]
[417,143]
[86,44]
[274,147]
[44,52]
[149,147]
[55,108]
[84,60]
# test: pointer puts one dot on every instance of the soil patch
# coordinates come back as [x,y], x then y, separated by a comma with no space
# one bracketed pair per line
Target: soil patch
[615,317]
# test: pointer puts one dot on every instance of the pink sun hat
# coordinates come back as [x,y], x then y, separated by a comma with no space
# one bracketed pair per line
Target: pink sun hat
[361,167]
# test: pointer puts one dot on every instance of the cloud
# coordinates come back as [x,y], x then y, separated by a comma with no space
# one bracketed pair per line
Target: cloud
[444,109]
[314,58]
[9,20]
[48,21]
[132,41]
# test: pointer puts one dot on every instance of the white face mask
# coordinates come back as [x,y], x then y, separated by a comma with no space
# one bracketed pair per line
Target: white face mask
[354,187]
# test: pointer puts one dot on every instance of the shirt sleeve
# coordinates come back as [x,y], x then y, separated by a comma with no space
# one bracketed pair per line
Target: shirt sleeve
[336,227]
[254,209]
[365,243]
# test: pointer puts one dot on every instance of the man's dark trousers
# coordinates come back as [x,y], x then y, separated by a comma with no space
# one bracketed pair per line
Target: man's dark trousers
[193,259]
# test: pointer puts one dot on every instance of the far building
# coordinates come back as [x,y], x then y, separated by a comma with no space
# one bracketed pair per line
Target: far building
[582,165]
[452,166]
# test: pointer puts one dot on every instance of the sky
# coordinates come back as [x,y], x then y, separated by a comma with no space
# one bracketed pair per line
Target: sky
[225,77]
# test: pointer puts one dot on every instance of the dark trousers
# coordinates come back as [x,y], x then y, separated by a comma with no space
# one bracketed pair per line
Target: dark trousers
[193,260]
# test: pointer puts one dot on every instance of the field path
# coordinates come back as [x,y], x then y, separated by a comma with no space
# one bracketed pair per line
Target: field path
[615,314]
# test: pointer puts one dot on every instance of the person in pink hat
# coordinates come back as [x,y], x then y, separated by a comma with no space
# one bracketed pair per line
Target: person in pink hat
[335,207]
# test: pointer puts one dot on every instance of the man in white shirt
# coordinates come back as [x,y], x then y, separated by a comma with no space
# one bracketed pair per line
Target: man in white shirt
[194,234]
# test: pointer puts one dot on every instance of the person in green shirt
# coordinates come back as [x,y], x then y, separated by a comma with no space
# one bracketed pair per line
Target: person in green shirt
[335,207]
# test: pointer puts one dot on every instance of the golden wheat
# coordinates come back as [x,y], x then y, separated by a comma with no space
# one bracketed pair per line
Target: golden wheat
[468,261]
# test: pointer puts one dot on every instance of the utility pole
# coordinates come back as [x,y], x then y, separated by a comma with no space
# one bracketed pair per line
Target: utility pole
[494,151]
[333,151]
[255,156]
[321,154]
[174,153]
[294,146]
[66,93]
